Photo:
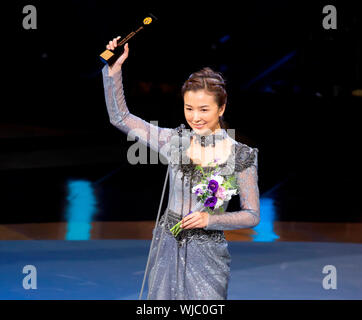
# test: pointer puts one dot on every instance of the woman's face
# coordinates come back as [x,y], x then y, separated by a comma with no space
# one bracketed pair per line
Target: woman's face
[201,111]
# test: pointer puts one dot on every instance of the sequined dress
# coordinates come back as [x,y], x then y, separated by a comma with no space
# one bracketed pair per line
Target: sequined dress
[196,264]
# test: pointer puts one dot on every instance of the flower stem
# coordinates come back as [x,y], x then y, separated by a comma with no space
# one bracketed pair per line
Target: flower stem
[176,229]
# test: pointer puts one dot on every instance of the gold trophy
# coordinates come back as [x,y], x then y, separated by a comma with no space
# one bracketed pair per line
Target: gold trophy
[110,56]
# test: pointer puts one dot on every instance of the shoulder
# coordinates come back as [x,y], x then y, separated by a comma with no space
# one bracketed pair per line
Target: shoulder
[165,134]
[180,130]
[245,156]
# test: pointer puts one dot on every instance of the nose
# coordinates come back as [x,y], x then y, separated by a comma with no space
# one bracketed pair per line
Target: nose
[196,117]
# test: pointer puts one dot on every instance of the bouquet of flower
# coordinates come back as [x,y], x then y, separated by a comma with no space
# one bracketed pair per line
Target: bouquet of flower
[212,190]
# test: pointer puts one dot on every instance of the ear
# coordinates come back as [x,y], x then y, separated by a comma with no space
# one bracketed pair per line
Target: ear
[222,110]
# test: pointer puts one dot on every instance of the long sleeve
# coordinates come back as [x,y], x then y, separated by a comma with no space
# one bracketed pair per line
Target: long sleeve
[119,115]
[249,215]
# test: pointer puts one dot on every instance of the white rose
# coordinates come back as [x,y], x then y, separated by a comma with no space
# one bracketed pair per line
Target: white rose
[230,193]
[219,203]
[219,179]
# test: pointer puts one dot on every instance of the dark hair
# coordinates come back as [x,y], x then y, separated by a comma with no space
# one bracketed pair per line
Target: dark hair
[210,81]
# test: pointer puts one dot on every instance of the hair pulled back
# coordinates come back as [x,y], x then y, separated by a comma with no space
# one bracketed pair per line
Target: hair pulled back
[209,80]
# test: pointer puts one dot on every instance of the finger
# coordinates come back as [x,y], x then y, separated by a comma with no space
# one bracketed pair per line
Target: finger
[126,50]
[115,42]
[194,224]
[188,217]
[111,45]
[185,223]
[189,222]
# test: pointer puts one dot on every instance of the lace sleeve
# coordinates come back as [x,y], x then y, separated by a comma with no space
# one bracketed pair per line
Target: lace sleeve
[249,215]
[119,115]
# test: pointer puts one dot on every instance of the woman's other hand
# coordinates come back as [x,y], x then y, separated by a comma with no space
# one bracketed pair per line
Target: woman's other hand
[122,58]
[196,219]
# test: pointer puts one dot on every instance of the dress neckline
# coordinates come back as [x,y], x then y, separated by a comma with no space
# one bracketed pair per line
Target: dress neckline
[206,140]
[223,164]
[189,165]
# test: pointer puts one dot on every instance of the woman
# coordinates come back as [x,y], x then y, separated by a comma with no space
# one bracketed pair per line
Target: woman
[196,264]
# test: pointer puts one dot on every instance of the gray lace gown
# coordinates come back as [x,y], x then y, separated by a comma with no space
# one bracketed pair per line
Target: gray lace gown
[196,264]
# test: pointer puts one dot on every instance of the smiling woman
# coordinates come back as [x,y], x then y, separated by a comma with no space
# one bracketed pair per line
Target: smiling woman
[205,100]
[196,263]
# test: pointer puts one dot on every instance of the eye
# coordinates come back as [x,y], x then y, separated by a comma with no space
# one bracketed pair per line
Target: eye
[204,110]
[188,109]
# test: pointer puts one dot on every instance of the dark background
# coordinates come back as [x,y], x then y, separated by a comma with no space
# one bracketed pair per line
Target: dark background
[289,82]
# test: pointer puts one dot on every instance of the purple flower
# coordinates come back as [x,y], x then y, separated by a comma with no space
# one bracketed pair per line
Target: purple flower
[210,202]
[213,185]
[199,191]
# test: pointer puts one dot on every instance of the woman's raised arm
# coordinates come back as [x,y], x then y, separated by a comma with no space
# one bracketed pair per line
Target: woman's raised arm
[119,115]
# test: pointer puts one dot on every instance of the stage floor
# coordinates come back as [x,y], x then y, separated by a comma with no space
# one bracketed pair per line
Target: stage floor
[113,269]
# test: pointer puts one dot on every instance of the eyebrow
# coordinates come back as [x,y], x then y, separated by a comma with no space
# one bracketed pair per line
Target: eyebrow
[206,105]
